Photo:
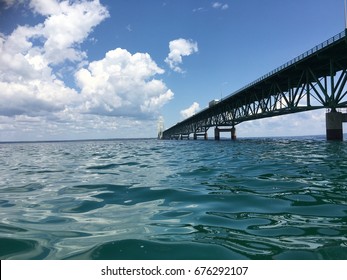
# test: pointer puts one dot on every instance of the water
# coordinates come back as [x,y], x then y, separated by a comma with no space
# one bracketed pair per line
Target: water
[149,199]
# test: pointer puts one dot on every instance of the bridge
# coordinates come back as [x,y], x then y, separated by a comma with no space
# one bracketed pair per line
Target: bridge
[314,80]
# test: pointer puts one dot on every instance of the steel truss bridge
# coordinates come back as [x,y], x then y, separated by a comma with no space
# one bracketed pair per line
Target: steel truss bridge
[314,80]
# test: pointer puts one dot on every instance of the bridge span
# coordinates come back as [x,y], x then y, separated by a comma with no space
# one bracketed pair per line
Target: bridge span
[314,80]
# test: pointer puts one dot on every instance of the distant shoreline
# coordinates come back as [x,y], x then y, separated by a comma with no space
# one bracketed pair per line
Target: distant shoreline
[74,140]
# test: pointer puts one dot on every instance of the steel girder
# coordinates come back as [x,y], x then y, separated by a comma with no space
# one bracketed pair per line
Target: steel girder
[316,81]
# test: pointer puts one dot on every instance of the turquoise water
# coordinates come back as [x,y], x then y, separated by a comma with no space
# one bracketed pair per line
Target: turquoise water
[150,199]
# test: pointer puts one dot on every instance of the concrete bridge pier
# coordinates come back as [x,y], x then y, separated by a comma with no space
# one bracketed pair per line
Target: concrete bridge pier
[216,133]
[334,127]
[184,136]
[200,134]
[218,130]
[233,133]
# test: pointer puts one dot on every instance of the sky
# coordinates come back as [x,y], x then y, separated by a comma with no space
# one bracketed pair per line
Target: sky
[111,68]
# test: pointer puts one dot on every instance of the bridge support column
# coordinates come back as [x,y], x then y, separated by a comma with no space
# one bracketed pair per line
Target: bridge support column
[184,136]
[233,133]
[216,134]
[200,134]
[334,128]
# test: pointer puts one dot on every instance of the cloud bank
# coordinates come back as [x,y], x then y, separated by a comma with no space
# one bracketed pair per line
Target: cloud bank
[178,49]
[35,59]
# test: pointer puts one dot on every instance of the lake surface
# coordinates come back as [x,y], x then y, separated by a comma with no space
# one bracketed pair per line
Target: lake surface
[280,198]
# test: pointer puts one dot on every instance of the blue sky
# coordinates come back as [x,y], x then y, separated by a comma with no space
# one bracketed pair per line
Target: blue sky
[110,69]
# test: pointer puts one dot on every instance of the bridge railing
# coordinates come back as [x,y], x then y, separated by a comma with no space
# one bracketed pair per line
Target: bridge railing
[315,49]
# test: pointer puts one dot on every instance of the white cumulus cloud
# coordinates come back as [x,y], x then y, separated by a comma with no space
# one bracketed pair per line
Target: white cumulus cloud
[194,108]
[67,25]
[122,84]
[178,49]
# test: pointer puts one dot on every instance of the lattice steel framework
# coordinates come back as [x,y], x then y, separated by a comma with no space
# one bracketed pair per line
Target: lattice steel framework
[316,79]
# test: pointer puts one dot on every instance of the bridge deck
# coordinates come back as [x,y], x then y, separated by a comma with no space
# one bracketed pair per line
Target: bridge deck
[282,91]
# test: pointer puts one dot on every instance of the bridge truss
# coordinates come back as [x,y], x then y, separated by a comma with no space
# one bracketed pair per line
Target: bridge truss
[314,80]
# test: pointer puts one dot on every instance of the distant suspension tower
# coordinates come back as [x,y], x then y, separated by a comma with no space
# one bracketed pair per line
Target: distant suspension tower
[160,127]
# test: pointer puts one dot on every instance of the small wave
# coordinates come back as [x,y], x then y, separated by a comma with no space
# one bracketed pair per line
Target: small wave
[23,189]
[111,165]
[10,229]
[22,249]
[105,166]
[133,249]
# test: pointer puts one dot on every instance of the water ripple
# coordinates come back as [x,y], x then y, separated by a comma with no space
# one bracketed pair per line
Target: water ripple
[148,199]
